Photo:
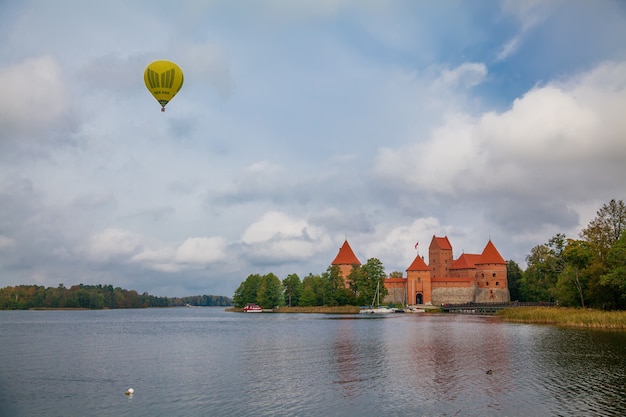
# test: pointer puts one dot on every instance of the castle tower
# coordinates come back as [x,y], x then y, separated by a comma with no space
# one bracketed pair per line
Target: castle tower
[345,260]
[439,257]
[491,276]
[418,282]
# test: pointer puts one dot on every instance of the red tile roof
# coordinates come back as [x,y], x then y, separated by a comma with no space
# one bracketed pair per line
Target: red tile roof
[418,265]
[395,280]
[441,242]
[491,255]
[346,256]
[466,261]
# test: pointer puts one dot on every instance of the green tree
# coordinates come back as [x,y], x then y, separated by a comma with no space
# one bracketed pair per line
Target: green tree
[293,288]
[614,281]
[312,291]
[514,280]
[357,285]
[367,279]
[578,255]
[335,291]
[270,292]
[247,291]
[545,264]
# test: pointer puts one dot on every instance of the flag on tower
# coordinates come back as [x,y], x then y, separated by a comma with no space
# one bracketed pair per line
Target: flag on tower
[416,244]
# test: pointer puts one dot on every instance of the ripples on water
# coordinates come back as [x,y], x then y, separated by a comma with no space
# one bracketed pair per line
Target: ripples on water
[204,361]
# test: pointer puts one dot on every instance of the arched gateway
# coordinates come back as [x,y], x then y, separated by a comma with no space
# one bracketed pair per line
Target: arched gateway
[419,298]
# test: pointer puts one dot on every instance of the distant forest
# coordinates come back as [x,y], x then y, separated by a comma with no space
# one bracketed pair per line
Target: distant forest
[24,297]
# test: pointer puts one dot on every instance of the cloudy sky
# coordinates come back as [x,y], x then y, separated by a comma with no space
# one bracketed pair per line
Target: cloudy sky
[299,124]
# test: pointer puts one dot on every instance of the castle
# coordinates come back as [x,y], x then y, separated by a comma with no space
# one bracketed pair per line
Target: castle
[477,278]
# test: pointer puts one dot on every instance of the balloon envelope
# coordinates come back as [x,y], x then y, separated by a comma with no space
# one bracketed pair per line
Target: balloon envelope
[163,79]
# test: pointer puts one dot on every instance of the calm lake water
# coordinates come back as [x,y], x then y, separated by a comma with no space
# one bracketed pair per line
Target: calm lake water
[205,361]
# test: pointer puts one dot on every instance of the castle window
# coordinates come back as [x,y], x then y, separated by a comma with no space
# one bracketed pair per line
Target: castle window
[494,275]
[497,283]
[483,275]
[419,280]
[486,283]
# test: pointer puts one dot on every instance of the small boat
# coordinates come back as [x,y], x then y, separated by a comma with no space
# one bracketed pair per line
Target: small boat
[378,309]
[252,308]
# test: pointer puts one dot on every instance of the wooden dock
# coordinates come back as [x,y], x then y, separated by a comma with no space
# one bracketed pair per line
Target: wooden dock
[488,308]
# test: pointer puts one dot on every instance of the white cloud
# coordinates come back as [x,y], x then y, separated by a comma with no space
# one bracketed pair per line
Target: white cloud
[509,48]
[396,244]
[36,97]
[133,248]
[111,243]
[554,139]
[529,14]
[208,63]
[277,236]
[201,250]
[432,165]
[466,75]
[300,123]
[275,224]
[6,242]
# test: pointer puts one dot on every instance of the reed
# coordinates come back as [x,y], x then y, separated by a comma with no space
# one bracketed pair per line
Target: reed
[570,317]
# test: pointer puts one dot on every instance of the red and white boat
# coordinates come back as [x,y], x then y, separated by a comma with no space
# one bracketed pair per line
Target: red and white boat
[252,308]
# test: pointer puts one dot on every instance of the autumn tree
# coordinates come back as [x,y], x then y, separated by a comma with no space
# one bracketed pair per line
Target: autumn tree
[602,233]
[606,228]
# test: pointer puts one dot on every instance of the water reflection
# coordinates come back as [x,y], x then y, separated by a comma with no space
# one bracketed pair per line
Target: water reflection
[189,362]
[584,370]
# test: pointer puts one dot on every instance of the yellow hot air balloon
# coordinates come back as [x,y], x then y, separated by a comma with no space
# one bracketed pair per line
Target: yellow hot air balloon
[163,79]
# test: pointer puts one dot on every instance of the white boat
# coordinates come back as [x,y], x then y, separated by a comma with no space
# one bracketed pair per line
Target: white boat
[252,308]
[378,309]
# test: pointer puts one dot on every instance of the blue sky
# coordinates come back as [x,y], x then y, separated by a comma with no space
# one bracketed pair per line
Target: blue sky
[299,124]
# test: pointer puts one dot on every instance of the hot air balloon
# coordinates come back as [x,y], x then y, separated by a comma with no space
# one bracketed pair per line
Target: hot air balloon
[163,79]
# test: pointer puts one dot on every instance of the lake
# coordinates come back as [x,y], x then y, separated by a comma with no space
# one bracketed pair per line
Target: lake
[206,361]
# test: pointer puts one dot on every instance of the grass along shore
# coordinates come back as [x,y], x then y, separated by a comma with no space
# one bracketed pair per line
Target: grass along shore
[570,317]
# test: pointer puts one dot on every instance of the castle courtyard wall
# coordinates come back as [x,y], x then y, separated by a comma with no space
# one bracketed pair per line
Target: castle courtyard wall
[452,295]
[471,294]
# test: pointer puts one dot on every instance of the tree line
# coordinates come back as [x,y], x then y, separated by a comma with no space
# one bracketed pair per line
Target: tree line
[23,297]
[327,289]
[586,272]
[589,271]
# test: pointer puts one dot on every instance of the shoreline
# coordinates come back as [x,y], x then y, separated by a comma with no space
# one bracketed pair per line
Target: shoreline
[322,309]
[318,309]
